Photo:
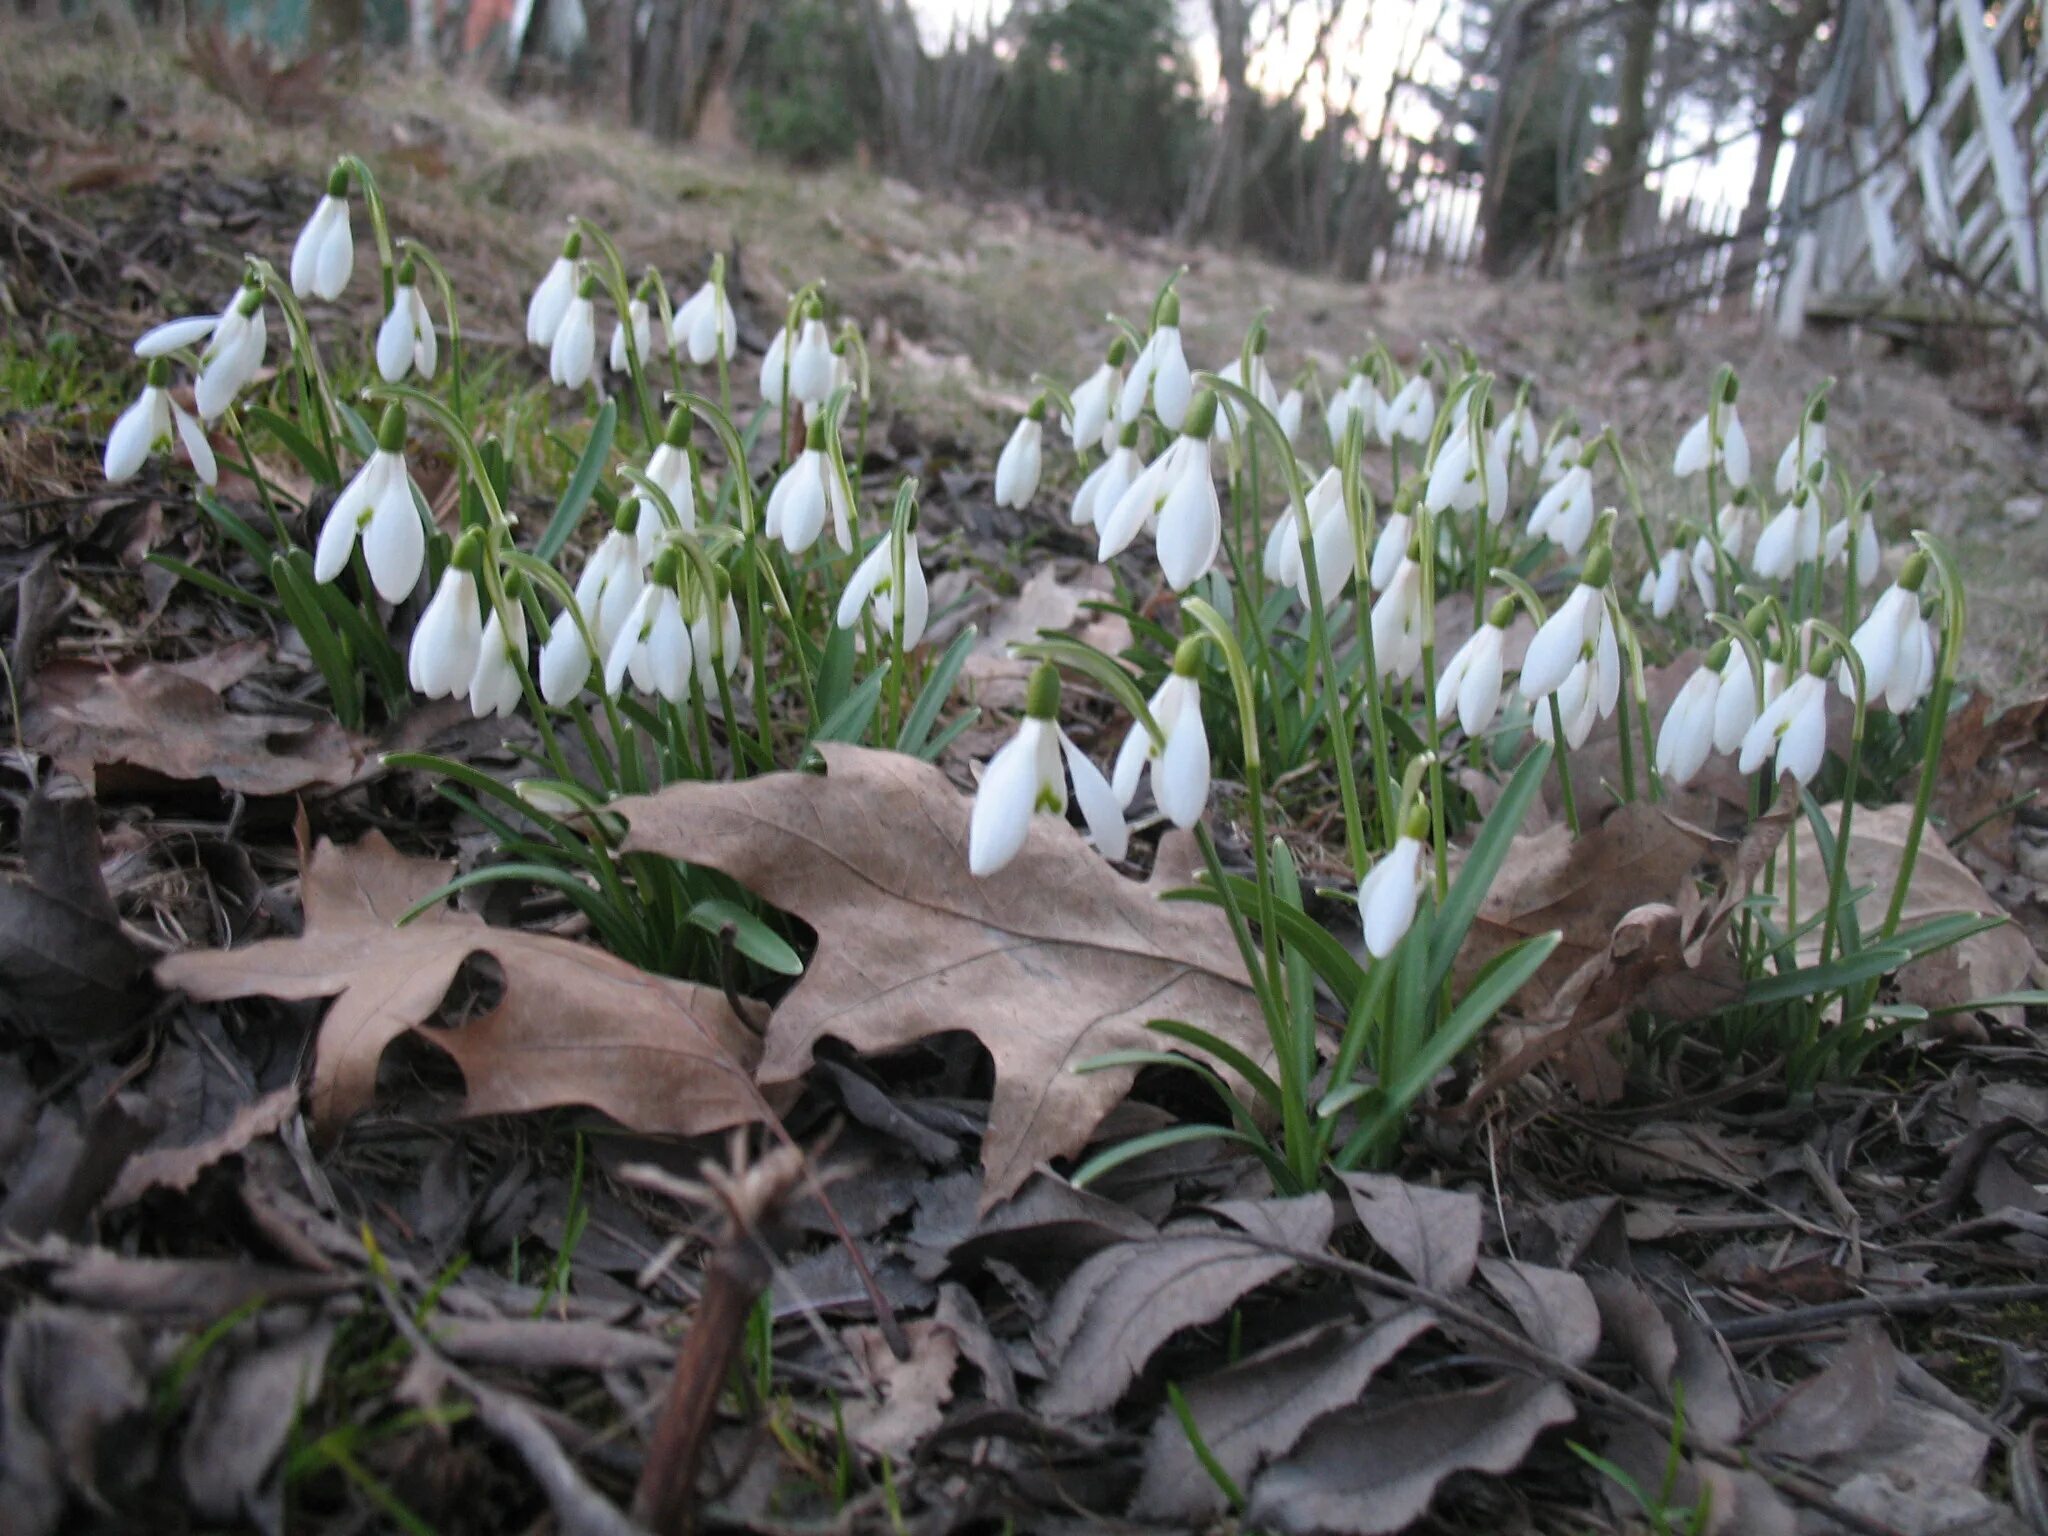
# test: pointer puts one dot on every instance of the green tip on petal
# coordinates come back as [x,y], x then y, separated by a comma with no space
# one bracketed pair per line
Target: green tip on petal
[1914,571]
[1036,410]
[679,427]
[1119,352]
[1599,567]
[1757,620]
[1201,419]
[668,566]
[1416,823]
[468,554]
[337,181]
[391,429]
[1717,654]
[1169,311]
[1502,613]
[1042,697]
[1187,656]
[159,375]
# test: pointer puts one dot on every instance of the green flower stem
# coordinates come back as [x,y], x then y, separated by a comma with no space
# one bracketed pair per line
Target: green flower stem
[313,374]
[1362,514]
[1564,767]
[380,224]
[901,517]
[458,438]
[1838,873]
[612,273]
[241,436]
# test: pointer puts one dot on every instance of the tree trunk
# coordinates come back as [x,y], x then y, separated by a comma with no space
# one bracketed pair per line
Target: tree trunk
[1216,201]
[1503,127]
[1624,177]
[1781,94]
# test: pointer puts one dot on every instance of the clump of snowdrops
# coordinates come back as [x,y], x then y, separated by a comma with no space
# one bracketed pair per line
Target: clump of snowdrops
[1308,532]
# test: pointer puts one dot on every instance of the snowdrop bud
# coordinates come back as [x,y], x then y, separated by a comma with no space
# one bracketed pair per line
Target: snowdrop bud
[1392,890]
[639,325]
[446,644]
[394,538]
[1106,483]
[1190,516]
[1180,768]
[1565,638]
[494,684]
[1025,777]
[325,253]
[574,349]
[1686,737]
[716,639]
[564,661]
[1017,470]
[705,328]
[1559,457]
[234,356]
[1663,582]
[810,360]
[406,339]
[1470,683]
[552,298]
[1398,622]
[1090,420]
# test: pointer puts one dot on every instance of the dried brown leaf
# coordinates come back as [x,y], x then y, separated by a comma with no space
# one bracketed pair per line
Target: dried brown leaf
[136,727]
[178,1168]
[1554,1306]
[1835,1411]
[1126,1301]
[242,1419]
[1258,1408]
[1433,1234]
[574,1026]
[1056,959]
[1374,1469]
[911,1395]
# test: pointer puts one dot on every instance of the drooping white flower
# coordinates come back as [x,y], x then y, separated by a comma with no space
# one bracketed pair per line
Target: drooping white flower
[1559,457]
[1260,388]
[775,367]
[1017,469]
[1699,447]
[1389,895]
[233,356]
[1578,706]
[564,661]
[552,295]
[176,335]
[808,492]
[1161,371]
[1892,642]
[1564,513]
[1177,489]
[152,423]
[450,635]
[1793,728]
[1390,549]
[1089,423]
[1288,414]
[406,340]
[573,351]
[1686,738]
[1661,583]
[1569,635]
[1736,709]
[1180,769]
[1470,684]
[1329,526]
[1025,777]
[610,585]
[719,650]
[1791,538]
[378,506]
[494,686]
[653,645]
[1106,483]
[874,581]
[1461,480]
[1804,454]
[1398,623]
[706,328]
[1516,436]
[640,323]
[1357,400]
[811,364]
[325,253]
[1410,415]
[669,468]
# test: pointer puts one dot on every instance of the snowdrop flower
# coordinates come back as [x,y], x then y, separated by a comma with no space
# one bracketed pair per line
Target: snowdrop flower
[874,581]
[1288,414]
[1176,488]
[640,323]
[1895,644]
[775,367]
[1806,454]
[1516,436]
[653,645]
[807,493]
[564,660]
[669,468]
[1734,527]
[1161,371]
[1018,468]
[1259,386]
[325,253]
[1090,422]
[234,355]
[1869,557]
[405,340]
[1357,400]
[1180,770]
[1700,447]
[1792,537]
[1329,527]
[705,328]
[1793,728]
[611,583]
[494,687]
[1470,683]
[1410,414]
[1660,585]
[1564,513]
[811,364]
[1578,630]
[1106,483]
[1736,708]
[378,505]
[1559,457]
[720,650]
[551,299]
[1461,480]
[176,335]
[1024,778]
[574,348]
[1686,738]
[450,635]
[1391,548]
[152,423]
[1398,621]
[1392,889]
[1578,706]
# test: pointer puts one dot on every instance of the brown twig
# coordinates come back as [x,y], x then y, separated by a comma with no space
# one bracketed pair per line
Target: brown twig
[1906,1304]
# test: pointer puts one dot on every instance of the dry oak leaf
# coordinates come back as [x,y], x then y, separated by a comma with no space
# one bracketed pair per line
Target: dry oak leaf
[138,726]
[1054,960]
[574,1026]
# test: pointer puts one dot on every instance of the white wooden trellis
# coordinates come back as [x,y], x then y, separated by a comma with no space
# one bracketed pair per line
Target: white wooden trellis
[1928,134]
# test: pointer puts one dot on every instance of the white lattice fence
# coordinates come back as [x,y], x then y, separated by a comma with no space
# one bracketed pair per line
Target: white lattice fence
[1929,134]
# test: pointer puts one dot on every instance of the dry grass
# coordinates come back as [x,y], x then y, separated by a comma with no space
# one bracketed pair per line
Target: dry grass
[966,299]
